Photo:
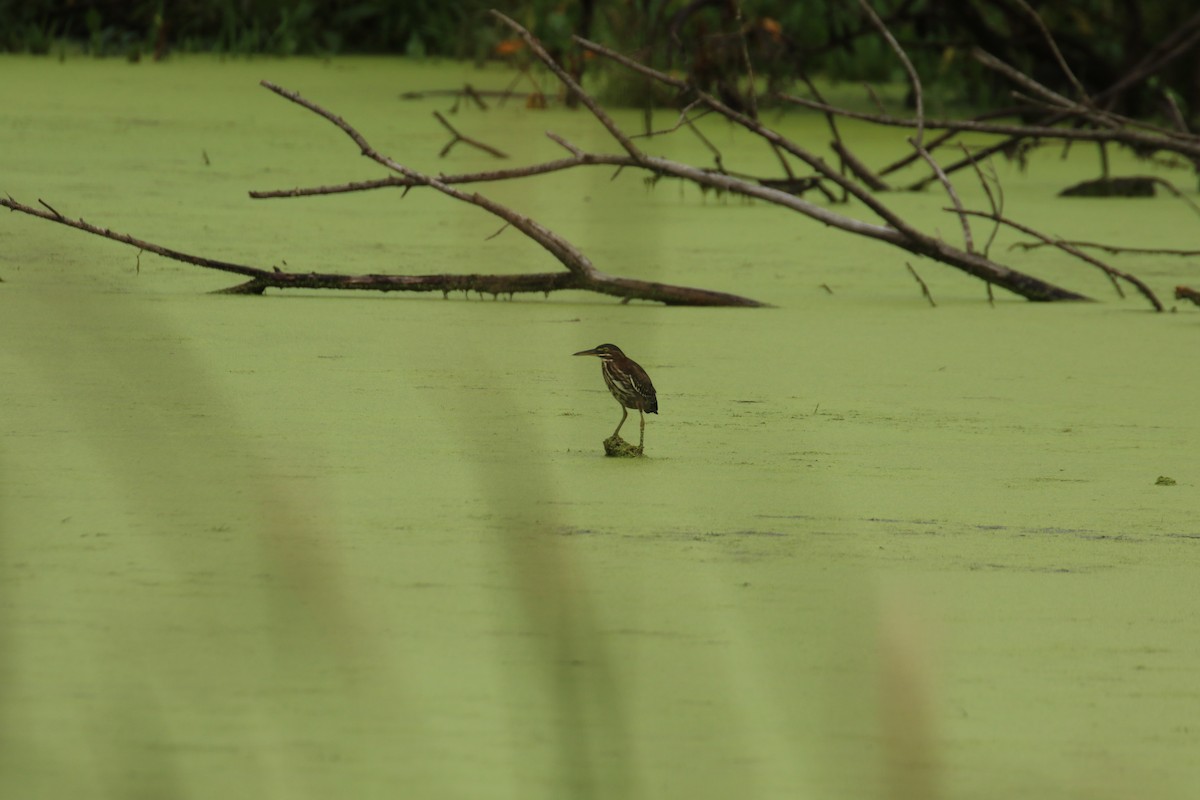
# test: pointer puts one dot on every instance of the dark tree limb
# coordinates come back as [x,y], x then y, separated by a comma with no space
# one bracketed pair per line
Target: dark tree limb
[895,230]
[495,285]
[1187,293]
[1112,272]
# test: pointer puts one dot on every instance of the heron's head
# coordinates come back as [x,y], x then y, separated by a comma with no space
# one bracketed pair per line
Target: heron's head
[603,350]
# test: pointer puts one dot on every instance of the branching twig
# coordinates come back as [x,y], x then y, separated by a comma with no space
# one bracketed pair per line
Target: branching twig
[570,257]
[458,137]
[1112,272]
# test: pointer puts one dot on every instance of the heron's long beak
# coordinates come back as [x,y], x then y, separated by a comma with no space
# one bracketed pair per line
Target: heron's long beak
[591,352]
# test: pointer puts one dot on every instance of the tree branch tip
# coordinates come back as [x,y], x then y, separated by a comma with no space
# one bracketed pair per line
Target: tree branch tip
[52,209]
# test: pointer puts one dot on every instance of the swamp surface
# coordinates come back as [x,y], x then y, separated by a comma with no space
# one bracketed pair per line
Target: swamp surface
[365,545]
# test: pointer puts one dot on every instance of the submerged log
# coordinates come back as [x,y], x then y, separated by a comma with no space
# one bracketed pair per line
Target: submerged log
[1111,187]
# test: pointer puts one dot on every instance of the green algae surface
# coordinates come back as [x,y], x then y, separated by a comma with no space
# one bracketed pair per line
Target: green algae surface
[318,545]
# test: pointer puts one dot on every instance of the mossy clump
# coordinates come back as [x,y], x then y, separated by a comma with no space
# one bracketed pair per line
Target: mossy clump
[617,447]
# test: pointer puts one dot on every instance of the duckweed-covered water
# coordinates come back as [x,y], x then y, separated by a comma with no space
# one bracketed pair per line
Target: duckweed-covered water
[320,545]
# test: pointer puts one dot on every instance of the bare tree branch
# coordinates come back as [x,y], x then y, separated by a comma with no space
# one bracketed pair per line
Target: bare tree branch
[897,231]
[494,285]
[560,248]
[1112,272]
[1187,293]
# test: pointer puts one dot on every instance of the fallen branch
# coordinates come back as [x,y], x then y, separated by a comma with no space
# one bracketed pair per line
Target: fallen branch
[1187,293]
[494,285]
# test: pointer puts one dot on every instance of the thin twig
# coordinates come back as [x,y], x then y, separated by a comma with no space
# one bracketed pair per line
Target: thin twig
[1111,249]
[683,120]
[924,289]
[53,210]
[142,245]
[917,141]
[913,79]
[712,148]
[752,91]
[995,200]
[968,240]
[459,137]
[1058,56]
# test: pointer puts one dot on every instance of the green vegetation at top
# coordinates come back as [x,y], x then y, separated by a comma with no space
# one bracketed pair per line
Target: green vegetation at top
[710,40]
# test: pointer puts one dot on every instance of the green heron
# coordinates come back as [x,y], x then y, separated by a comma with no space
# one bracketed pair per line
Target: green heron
[628,382]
